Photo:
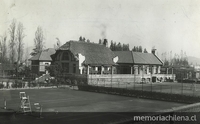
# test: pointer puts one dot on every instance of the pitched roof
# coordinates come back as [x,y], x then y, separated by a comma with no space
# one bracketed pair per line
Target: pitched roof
[124,57]
[146,58]
[131,57]
[45,55]
[95,54]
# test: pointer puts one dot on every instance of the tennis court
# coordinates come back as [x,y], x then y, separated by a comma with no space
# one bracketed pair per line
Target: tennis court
[72,106]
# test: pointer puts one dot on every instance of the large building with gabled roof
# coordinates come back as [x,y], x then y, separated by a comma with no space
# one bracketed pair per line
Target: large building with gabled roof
[84,58]
[98,61]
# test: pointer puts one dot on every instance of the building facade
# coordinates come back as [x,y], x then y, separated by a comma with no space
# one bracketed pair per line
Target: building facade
[40,61]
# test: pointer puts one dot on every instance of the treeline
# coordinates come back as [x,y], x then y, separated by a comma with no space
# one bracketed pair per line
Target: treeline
[119,46]
[114,46]
[176,60]
[12,43]
[12,48]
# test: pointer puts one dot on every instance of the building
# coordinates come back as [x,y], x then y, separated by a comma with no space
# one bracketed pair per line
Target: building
[41,60]
[78,57]
[99,62]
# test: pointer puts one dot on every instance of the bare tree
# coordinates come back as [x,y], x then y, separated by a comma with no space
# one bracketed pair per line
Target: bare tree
[27,55]
[12,30]
[38,41]
[20,45]
[3,48]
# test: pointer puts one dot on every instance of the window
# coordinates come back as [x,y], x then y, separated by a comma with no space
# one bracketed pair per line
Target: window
[74,68]
[65,67]
[46,63]
[65,56]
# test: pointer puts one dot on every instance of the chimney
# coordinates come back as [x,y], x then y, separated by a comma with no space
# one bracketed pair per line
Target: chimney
[153,51]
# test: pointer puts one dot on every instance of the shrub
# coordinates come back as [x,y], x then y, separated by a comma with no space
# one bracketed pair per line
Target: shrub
[1,86]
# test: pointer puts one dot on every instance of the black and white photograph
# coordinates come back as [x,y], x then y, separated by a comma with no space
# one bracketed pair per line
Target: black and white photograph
[99,61]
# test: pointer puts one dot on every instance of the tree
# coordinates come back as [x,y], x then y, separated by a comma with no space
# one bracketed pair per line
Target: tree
[140,49]
[125,47]
[20,45]
[111,45]
[119,47]
[83,39]
[88,40]
[100,42]
[134,49]
[38,41]
[3,48]
[80,38]
[145,50]
[105,42]
[12,44]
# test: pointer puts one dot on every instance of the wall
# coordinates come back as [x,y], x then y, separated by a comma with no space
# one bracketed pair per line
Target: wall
[128,78]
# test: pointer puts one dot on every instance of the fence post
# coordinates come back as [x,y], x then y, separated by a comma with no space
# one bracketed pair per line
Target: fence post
[193,91]
[142,84]
[118,83]
[171,89]
[160,88]
[5,104]
[182,88]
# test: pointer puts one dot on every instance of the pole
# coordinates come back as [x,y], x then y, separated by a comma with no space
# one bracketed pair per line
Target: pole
[182,84]
[111,75]
[142,78]
[151,79]
[5,104]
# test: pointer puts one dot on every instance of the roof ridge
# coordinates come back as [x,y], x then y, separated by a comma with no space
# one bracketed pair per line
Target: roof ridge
[132,57]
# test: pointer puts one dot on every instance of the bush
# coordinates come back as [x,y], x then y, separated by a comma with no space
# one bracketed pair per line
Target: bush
[1,86]
[17,84]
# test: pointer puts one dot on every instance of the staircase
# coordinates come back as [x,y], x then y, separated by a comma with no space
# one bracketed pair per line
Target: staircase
[42,78]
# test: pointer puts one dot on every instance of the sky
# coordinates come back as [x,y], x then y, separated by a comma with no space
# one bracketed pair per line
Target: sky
[167,25]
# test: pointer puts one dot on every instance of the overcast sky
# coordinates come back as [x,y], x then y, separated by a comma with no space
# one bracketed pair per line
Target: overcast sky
[169,25]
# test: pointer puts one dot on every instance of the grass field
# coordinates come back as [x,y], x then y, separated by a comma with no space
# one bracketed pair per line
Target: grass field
[71,106]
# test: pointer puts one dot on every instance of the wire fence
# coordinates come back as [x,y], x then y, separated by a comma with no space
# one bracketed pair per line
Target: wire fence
[12,76]
[190,88]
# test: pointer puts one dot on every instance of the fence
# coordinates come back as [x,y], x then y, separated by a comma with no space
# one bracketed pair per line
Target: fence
[145,83]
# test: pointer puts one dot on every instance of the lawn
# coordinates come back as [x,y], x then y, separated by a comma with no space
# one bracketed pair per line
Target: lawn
[72,106]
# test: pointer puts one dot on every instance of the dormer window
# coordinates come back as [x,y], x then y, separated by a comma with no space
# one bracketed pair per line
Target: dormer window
[65,56]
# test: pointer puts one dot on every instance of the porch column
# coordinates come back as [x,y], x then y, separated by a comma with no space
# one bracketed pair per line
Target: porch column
[147,69]
[151,73]
[111,69]
[88,69]
[154,69]
[158,69]
[173,74]
[167,70]
[131,69]
[102,69]
[136,69]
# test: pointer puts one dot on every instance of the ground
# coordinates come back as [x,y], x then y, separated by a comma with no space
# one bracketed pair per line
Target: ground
[73,106]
